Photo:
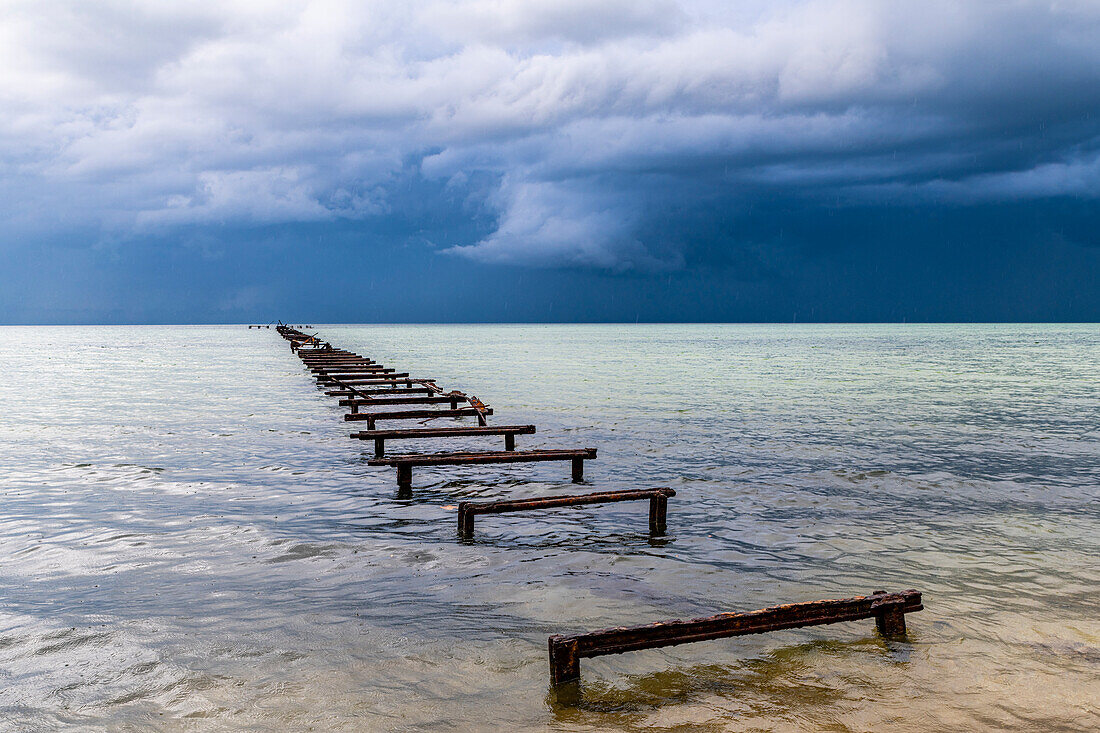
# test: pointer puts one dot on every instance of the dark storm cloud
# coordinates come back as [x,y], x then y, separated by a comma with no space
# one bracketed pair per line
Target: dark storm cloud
[647,136]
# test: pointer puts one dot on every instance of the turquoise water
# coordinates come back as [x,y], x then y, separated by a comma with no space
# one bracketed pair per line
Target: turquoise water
[190,540]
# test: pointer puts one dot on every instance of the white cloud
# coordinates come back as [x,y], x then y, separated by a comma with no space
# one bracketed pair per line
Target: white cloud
[123,116]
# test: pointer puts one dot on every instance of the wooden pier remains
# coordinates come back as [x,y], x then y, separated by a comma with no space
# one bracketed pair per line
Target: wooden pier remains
[657,498]
[380,436]
[405,462]
[373,417]
[368,388]
[888,610]
[360,383]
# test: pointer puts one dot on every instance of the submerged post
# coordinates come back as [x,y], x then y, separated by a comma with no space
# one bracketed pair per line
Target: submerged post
[890,621]
[578,470]
[565,665]
[658,514]
[404,476]
[465,519]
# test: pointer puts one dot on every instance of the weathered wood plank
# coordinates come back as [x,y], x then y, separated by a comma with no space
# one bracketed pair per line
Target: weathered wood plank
[888,610]
[658,509]
[372,417]
[380,436]
[433,400]
[388,390]
[405,462]
[359,378]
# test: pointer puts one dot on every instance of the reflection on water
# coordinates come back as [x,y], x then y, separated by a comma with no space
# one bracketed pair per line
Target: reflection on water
[189,540]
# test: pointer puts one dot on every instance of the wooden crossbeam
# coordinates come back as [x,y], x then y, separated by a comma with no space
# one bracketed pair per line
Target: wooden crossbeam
[372,417]
[351,369]
[888,610]
[350,377]
[312,361]
[372,392]
[388,380]
[330,363]
[436,400]
[406,461]
[358,402]
[658,506]
[380,436]
[362,378]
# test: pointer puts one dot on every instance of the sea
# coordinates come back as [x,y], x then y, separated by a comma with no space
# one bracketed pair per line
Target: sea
[191,541]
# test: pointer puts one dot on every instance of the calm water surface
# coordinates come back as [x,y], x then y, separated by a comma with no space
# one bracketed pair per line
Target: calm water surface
[190,541]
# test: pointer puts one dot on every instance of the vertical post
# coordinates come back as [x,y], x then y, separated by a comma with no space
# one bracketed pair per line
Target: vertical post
[404,476]
[578,470]
[565,665]
[509,441]
[465,520]
[454,403]
[891,622]
[658,513]
[354,406]
[379,447]
[370,423]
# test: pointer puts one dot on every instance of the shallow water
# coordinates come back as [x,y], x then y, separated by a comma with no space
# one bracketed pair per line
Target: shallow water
[189,539]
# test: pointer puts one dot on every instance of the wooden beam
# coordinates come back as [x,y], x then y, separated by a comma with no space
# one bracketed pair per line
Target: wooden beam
[367,378]
[380,436]
[372,417]
[467,510]
[404,462]
[372,392]
[888,610]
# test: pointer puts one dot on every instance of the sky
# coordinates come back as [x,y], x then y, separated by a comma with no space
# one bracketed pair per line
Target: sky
[549,160]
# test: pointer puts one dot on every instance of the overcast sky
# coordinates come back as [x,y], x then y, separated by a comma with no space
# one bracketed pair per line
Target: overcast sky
[540,160]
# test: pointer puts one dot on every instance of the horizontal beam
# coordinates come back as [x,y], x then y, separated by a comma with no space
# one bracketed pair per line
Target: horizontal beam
[363,402]
[888,610]
[359,378]
[371,417]
[451,432]
[380,436]
[658,506]
[350,369]
[349,360]
[391,380]
[387,390]
[461,457]
[312,361]
[405,462]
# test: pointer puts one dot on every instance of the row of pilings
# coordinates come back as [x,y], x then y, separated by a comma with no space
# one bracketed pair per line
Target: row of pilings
[375,393]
